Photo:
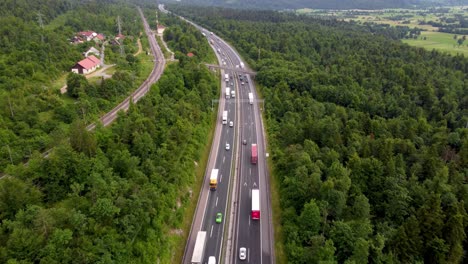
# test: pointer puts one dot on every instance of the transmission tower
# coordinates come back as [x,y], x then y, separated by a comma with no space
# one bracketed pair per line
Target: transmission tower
[41,24]
[122,52]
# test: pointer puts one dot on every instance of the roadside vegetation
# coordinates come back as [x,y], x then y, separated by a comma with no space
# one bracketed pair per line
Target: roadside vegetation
[368,137]
[35,59]
[118,194]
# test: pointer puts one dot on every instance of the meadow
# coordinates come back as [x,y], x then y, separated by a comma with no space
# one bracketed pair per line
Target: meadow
[430,37]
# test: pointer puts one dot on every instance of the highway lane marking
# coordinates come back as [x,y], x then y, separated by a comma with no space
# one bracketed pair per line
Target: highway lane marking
[250,171]
[249,219]
[216,202]
[211,233]
[224,158]
[220,178]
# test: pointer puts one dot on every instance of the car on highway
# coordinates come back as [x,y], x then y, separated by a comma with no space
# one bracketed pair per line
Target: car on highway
[228,147]
[232,84]
[242,253]
[231,124]
[244,142]
[219,218]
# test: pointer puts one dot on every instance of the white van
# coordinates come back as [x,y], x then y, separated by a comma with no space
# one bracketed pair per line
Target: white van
[211,260]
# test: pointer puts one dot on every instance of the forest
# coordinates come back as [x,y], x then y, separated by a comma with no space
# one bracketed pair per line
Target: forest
[315,4]
[35,52]
[368,137]
[115,195]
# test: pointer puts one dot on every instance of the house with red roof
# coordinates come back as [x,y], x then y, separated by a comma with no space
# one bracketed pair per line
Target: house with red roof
[86,65]
[161,29]
[99,37]
[87,35]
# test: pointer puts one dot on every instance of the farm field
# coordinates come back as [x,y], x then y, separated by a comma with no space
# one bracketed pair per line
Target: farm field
[439,41]
[430,37]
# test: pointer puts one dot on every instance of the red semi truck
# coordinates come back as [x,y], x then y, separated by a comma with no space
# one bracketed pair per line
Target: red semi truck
[254,158]
[255,204]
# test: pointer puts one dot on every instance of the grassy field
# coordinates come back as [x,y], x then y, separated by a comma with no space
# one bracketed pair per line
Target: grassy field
[439,41]
[429,39]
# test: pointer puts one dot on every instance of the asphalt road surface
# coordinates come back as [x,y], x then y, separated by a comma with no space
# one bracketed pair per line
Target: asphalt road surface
[236,172]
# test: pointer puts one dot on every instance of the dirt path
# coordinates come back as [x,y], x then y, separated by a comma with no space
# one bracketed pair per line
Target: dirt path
[140,48]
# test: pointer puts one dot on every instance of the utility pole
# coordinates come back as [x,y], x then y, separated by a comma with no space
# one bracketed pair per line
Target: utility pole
[9,152]
[11,108]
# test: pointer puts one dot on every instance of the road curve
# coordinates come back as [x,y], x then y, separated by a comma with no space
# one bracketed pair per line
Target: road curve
[159,63]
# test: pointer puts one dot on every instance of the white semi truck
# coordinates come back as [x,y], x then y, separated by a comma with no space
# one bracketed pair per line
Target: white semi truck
[199,249]
[225,113]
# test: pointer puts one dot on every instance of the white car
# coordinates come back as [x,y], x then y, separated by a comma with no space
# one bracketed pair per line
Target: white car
[231,124]
[242,253]
[228,147]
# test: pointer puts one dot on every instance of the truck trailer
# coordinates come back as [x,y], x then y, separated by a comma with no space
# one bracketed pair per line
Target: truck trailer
[250,98]
[228,92]
[255,204]
[214,179]
[254,157]
[225,113]
[226,77]
[199,249]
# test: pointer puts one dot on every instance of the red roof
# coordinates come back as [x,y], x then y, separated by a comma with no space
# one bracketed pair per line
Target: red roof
[190,54]
[89,62]
[86,33]
[100,36]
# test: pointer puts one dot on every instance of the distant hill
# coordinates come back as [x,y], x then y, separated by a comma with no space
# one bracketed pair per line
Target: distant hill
[320,4]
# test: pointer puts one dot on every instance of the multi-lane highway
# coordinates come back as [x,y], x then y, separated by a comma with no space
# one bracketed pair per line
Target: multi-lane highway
[237,175]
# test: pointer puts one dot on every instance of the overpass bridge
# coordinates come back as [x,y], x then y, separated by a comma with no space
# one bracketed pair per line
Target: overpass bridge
[237,70]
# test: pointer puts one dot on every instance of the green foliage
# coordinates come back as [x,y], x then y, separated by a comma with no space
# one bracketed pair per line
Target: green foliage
[368,137]
[113,195]
[34,116]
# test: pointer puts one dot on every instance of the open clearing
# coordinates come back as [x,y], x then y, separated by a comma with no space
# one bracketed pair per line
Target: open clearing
[429,39]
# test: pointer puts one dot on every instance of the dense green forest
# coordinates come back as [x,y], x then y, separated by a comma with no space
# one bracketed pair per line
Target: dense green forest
[368,137]
[319,4]
[117,194]
[33,115]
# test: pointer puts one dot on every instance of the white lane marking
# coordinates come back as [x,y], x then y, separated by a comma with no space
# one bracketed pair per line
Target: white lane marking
[216,202]
[220,178]
[211,233]
[249,219]
[224,157]
[250,171]
[248,255]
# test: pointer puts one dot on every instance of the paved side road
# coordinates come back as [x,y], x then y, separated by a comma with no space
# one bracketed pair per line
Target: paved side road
[159,63]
